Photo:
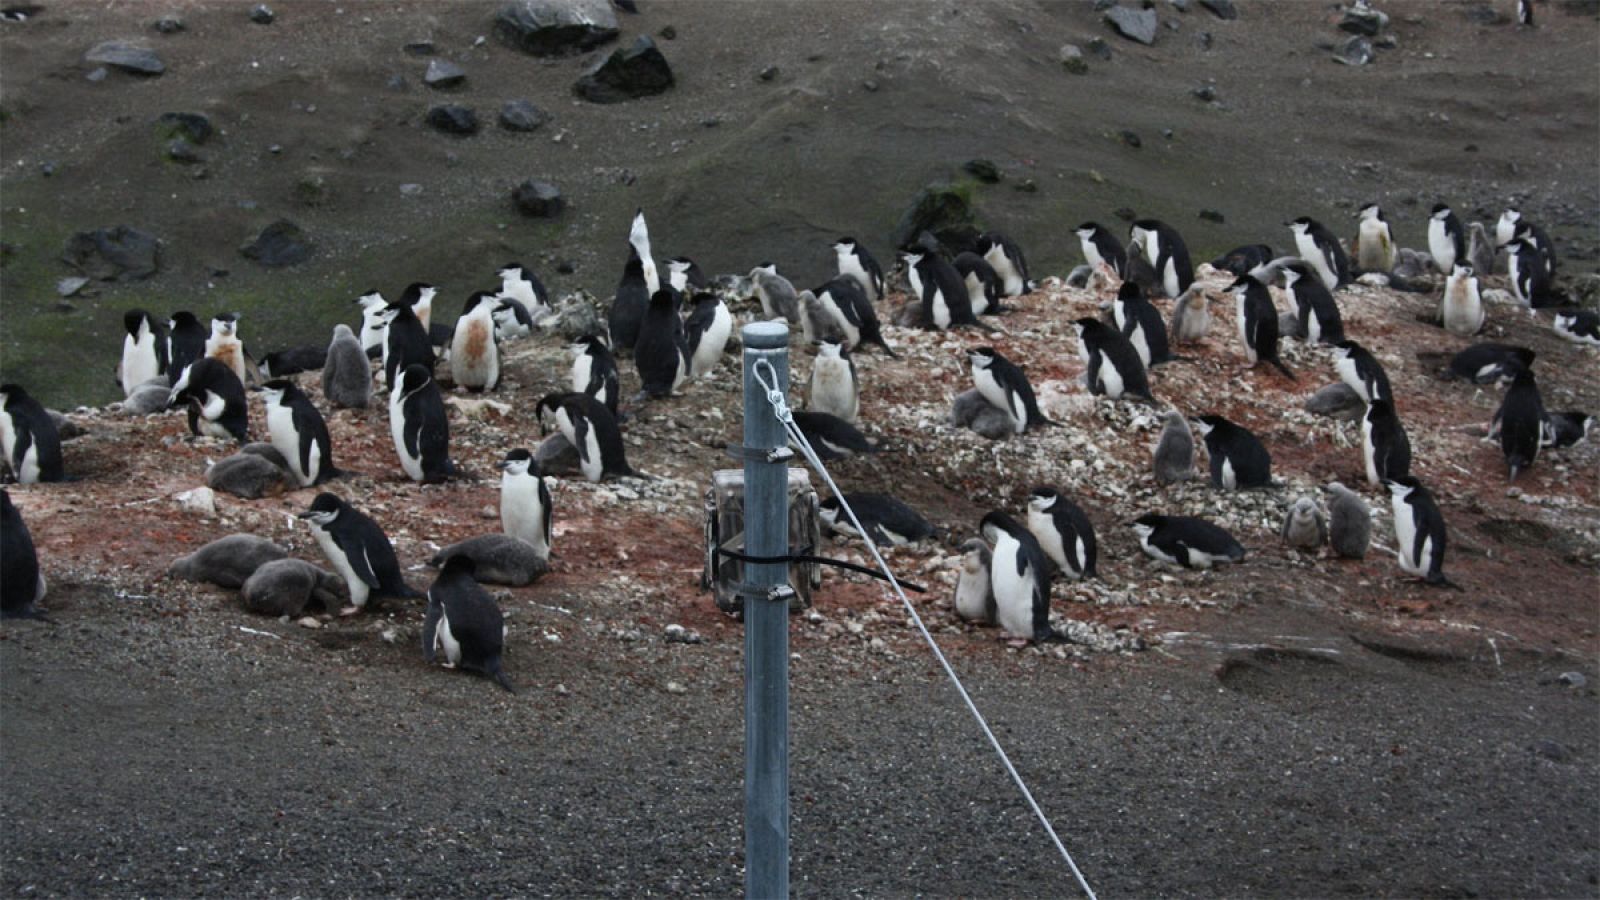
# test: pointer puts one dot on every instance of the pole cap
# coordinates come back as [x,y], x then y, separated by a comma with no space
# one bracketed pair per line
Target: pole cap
[765,335]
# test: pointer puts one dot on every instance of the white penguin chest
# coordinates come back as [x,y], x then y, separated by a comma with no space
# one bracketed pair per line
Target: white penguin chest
[341,564]
[1405,534]
[993,391]
[1044,530]
[1243,320]
[139,363]
[582,367]
[1009,277]
[522,514]
[972,591]
[445,641]
[1013,590]
[1111,380]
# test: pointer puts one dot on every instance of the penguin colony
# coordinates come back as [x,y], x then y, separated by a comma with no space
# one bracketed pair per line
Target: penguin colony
[669,333]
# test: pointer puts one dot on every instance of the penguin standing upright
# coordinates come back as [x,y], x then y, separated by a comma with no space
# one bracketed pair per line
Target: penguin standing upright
[857,262]
[216,400]
[186,342]
[420,428]
[630,303]
[1506,228]
[1384,445]
[1349,522]
[298,432]
[706,333]
[511,320]
[1526,230]
[1005,257]
[857,316]
[1522,423]
[983,285]
[28,437]
[1064,533]
[1525,13]
[1530,282]
[1191,317]
[464,623]
[832,309]
[834,388]
[1362,372]
[639,240]
[1173,457]
[474,355]
[594,371]
[821,321]
[1111,364]
[1238,459]
[940,288]
[1167,254]
[374,320]
[974,590]
[1319,247]
[1304,526]
[1419,529]
[346,374]
[526,512]
[1578,326]
[779,299]
[144,350]
[1101,248]
[1188,541]
[358,550]
[1141,323]
[405,341]
[418,297]
[1461,307]
[519,285]
[1258,323]
[224,345]
[1019,578]
[589,428]
[1005,386]
[1315,307]
[661,354]
[1375,248]
[1447,240]
[21,583]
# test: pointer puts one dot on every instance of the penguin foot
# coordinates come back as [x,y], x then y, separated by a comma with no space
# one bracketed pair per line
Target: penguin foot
[349,611]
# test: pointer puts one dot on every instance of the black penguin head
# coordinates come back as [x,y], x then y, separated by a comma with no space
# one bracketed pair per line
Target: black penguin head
[1088,230]
[1380,409]
[995,524]
[416,292]
[1401,486]
[1146,524]
[1522,231]
[929,243]
[1130,290]
[10,391]
[1204,425]
[224,324]
[1302,225]
[1296,270]
[519,462]
[1086,325]
[371,299]
[1511,216]
[324,509]
[1371,211]
[1348,349]
[511,270]
[590,344]
[845,245]
[1440,211]
[493,300]
[278,390]
[459,564]
[665,298]
[912,254]
[1244,282]
[982,357]
[414,378]
[1043,498]
[184,320]
[134,319]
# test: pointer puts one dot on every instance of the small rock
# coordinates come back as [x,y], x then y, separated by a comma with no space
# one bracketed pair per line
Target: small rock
[443,74]
[397,83]
[521,115]
[1099,48]
[538,199]
[556,27]
[769,73]
[1125,213]
[1356,52]
[674,687]
[453,119]
[1573,679]
[1550,750]
[1134,24]
[869,86]
[1072,59]
[1131,138]
[169,25]
[97,74]
[982,169]
[1362,19]
[314,622]
[195,128]
[1206,93]
[127,57]
[1211,215]
[419,48]
[668,33]
[261,14]
[410,190]
[181,151]
[1222,9]
[199,500]
[70,285]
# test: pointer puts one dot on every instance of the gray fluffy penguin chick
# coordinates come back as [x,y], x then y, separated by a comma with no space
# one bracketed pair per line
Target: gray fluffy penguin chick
[971,410]
[1174,454]
[148,398]
[1337,401]
[227,562]
[776,293]
[284,587]
[267,452]
[1191,317]
[247,475]
[1303,525]
[817,322]
[499,559]
[1349,522]
[1480,249]
[346,375]
[974,593]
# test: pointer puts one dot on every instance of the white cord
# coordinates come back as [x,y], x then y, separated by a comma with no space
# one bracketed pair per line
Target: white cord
[780,408]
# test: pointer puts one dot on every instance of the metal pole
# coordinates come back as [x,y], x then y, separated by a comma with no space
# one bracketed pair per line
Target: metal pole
[766,625]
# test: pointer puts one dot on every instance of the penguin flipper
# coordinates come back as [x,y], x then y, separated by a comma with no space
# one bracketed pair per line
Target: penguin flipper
[499,676]
[430,629]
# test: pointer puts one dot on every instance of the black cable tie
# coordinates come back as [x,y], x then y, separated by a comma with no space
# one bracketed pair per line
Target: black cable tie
[820,560]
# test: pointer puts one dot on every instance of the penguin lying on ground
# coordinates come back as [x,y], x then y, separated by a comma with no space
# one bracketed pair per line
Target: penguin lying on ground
[498,559]
[886,519]
[1190,542]
[226,562]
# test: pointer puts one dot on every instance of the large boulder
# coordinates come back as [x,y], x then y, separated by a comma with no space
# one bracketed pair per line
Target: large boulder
[280,244]
[120,253]
[946,211]
[635,71]
[127,57]
[556,27]
[539,199]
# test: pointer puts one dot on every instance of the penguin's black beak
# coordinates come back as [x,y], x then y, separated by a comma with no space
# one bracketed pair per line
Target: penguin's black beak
[502,465]
[304,515]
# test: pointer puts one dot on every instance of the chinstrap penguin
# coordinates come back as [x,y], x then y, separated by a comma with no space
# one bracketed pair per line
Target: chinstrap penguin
[29,440]
[1064,533]
[215,398]
[1111,364]
[22,585]
[474,352]
[420,427]
[358,550]
[1190,542]
[464,624]
[888,520]
[526,511]
[298,432]
[1238,459]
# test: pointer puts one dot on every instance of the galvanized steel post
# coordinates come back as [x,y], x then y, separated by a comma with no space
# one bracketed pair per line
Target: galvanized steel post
[766,621]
